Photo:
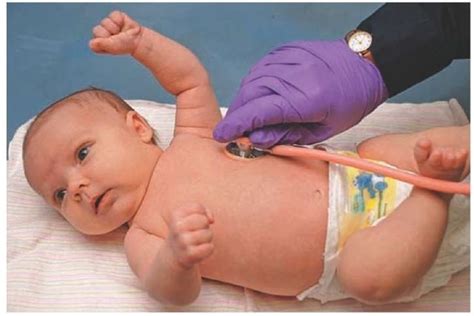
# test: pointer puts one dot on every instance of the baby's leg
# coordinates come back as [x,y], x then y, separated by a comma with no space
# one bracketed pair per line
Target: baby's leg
[381,263]
[397,149]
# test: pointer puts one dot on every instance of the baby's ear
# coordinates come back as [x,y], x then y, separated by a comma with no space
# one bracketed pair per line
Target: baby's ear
[139,126]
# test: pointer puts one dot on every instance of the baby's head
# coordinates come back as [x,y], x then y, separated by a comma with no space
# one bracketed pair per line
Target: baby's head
[91,156]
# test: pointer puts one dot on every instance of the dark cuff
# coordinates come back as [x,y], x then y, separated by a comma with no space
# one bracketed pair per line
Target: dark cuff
[412,41]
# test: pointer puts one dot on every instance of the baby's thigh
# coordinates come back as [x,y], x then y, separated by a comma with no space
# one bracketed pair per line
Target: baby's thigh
[395,149]
[384,261]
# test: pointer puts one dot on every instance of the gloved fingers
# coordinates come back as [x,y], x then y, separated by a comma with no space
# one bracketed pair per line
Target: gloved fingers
[310,89]
[267,110]
[301,134]
[292,53]
[278,69]
[248,92]
[271,82]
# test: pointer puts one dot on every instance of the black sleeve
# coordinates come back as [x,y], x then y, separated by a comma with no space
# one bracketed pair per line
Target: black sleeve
[412,41]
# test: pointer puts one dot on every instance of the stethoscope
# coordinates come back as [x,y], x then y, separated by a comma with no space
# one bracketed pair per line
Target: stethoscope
[243,149]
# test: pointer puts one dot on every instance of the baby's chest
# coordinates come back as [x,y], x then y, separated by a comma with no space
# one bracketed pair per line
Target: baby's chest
[163,199]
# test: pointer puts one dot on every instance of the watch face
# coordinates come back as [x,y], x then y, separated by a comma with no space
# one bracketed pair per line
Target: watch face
[360,41]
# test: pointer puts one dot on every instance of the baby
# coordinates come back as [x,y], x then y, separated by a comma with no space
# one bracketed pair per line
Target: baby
[266,224]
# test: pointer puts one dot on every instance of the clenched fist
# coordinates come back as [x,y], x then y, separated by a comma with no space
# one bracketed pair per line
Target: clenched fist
[116,34]
[190,236]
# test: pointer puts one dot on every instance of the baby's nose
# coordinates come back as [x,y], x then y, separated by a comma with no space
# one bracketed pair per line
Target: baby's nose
[76,189]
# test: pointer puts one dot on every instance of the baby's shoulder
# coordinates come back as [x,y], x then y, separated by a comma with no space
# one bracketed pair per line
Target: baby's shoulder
[187,138]
[191,143]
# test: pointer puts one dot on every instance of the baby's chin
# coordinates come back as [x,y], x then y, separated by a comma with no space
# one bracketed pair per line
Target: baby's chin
[96,231]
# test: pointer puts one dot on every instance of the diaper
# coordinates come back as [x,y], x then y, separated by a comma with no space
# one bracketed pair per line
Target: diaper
[357,199]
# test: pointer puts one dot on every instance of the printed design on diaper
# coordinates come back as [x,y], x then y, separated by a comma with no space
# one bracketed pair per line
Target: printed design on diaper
[372,185]
[370,197]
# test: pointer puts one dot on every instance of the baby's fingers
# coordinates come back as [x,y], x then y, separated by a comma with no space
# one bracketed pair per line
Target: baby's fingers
[97,46]
[199,237]
[198,253]
[117,17]
[100,31]
[110,26]
[193,208]
[192,222]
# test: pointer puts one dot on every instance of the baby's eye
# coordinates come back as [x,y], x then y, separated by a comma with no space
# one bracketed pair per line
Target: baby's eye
[82,153]
[60,194]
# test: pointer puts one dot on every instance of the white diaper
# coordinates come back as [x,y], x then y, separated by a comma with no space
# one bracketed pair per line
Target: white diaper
[357,199]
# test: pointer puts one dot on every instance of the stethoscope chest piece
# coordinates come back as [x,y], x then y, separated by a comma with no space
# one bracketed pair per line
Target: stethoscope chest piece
[239,152]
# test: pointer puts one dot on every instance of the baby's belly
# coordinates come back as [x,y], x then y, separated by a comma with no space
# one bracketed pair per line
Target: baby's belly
[270,218]
[277,251]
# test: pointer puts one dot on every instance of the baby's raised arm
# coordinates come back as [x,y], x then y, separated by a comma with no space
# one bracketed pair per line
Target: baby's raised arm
[176,68]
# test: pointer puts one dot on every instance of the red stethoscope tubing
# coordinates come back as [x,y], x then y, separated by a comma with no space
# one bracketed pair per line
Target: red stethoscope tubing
[359,163]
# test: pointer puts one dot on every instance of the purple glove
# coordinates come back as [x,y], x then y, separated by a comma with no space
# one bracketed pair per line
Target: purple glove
[303,93]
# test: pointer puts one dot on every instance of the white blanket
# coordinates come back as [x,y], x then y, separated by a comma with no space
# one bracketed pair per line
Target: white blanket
[51,267]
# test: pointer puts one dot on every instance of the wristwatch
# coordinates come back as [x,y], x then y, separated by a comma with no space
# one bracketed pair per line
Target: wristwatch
[359,42]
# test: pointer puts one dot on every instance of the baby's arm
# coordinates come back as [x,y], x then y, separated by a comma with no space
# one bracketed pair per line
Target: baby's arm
[168,268]
[176,68]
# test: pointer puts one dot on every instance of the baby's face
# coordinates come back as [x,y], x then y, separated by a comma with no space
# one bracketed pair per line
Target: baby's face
[92,164]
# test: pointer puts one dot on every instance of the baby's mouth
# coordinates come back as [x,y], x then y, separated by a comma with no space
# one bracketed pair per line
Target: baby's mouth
[97,201]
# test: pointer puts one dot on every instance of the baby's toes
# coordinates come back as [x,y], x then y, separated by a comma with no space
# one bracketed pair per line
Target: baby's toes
[460,157]
[422,150]
[436,157]
[449,159]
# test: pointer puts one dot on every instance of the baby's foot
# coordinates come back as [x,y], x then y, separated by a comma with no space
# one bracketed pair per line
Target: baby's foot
[446,163]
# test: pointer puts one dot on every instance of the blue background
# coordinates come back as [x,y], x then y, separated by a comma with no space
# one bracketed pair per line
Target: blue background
[48,55]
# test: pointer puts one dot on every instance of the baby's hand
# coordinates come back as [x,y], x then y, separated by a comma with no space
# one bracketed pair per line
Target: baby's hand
[190,237]
[116,34]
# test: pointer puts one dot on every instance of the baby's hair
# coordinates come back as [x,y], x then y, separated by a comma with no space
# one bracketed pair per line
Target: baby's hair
[79,97]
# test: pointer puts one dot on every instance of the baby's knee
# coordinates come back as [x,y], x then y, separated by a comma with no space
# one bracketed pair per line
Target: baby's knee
[364,147]
[372,147]
[367,277]
[370,290]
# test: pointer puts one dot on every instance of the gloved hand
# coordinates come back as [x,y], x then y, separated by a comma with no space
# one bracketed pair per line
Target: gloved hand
[303,93]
